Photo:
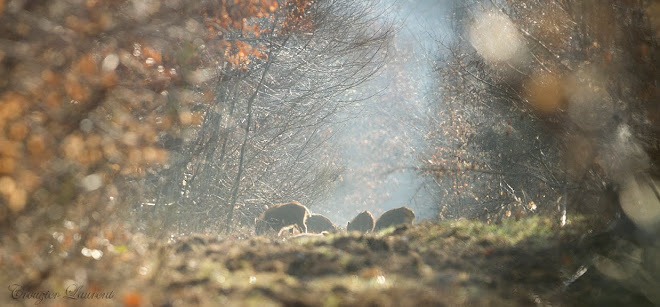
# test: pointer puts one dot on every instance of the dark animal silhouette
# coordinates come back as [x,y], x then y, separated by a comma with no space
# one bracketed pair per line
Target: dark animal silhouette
[402,215]
[363,222]
[318,223]
[282,215]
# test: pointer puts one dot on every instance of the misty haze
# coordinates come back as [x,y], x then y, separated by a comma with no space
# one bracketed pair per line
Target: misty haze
[329,153]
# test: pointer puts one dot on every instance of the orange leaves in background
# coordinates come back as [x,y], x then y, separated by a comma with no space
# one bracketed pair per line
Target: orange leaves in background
[237,15]
[298,16]
[49,125]
[152,56]
[238,55]
[132,299]
[86,66]
[12,191]
[79,103]
[545,92]
[232,14]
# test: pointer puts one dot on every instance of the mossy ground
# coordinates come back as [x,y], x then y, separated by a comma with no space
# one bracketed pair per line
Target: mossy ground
[458,263]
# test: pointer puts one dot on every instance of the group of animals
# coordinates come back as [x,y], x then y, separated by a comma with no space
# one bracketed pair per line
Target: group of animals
[294,217]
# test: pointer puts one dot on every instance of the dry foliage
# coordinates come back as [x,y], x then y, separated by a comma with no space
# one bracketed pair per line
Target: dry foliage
[562,109]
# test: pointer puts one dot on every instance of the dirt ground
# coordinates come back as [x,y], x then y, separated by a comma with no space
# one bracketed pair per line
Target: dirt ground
[531,262]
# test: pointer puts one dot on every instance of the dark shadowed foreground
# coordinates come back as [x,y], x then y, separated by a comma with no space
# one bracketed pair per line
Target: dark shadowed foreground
[524,263]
